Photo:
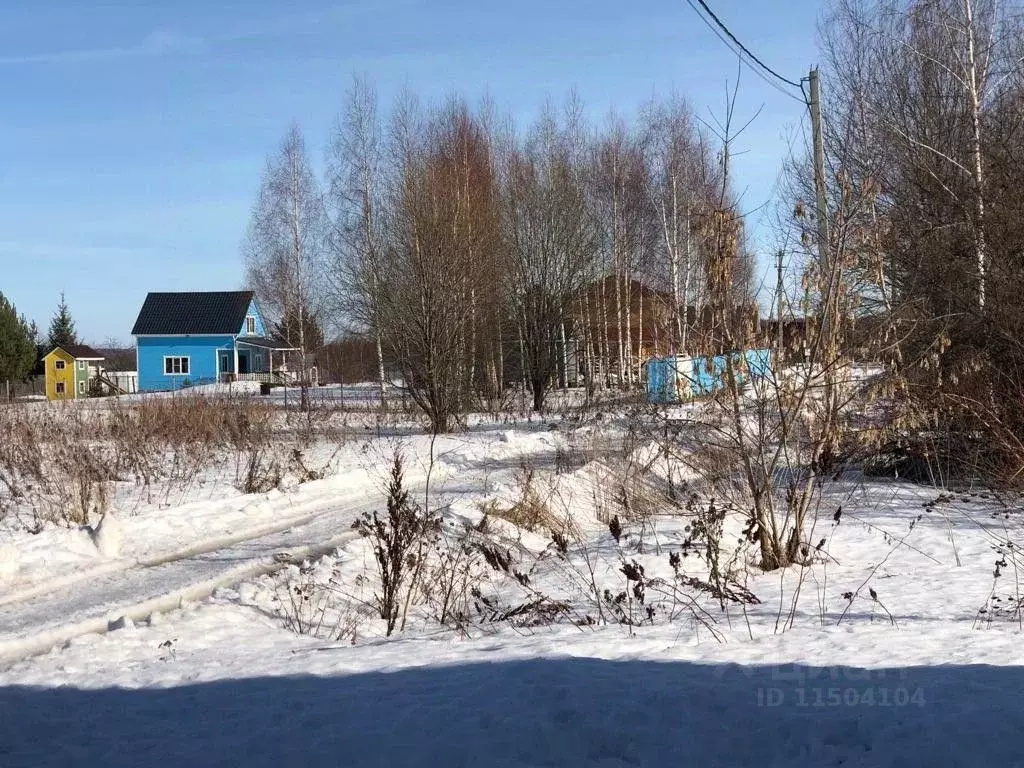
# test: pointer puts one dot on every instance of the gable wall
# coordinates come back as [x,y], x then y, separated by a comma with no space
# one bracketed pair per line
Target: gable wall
[66,376]
[261,328]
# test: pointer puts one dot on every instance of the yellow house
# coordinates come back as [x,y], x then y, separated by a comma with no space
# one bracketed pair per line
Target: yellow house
[69,369]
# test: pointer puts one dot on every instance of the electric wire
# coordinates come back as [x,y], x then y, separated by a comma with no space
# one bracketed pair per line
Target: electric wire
[761,69]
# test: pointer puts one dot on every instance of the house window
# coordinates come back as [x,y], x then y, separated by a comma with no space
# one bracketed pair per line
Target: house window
[81,387]
[81,365]
[59,388]
[59,365]
[176,365]
[250,325]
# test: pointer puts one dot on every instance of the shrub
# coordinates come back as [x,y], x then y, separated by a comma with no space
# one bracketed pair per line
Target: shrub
[399,542]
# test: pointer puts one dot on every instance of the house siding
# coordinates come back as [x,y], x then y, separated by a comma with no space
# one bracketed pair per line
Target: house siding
[254,311]
[81,376]
[202,352]
[66,376]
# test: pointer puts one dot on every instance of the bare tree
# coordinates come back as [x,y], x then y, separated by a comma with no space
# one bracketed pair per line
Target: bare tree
[767,437]
[923,95]
[442,231]
[355,178]
[551,240]
[620,181]
[683,181]
[285,245]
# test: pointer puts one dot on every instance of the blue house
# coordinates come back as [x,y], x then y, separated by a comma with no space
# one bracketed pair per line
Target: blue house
[183,339]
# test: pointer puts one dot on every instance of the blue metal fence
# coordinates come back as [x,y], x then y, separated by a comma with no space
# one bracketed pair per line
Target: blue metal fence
[677,378]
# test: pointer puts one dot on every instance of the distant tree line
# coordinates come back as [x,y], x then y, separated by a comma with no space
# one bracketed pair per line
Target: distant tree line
[478,258]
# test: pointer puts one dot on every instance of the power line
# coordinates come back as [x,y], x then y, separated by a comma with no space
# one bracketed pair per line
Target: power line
[725,29]
[733,43]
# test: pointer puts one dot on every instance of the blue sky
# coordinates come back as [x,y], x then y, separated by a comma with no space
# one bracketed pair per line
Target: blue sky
[133,134]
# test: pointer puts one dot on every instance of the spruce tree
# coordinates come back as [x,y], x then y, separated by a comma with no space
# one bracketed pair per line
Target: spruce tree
[39,342]
[17,346]
[62,327]
[287,330]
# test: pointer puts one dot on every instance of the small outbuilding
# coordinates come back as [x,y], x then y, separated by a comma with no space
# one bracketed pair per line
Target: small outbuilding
[69,371]
[678,378]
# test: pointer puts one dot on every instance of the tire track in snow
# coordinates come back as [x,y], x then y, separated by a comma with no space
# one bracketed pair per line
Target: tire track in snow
[90,604]
[211,544]
[37,619]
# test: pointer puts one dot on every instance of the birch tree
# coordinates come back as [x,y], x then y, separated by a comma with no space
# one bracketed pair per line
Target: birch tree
[354,184]
[620,197]
[285,245]
[551,240]
[681,178]
[924,104]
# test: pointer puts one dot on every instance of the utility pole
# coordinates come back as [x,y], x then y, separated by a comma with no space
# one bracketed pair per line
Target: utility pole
[779,294]
[821,212]
[827,343]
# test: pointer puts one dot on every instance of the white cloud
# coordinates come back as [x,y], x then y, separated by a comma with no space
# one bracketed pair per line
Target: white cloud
[161,42]
[157,42]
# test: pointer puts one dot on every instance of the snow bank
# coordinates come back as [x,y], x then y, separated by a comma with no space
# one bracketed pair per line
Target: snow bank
[108,536]
[908,673]
[10,559]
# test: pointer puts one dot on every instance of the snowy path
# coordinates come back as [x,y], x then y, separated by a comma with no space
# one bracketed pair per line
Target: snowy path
[50,614]
[184,553]
[45,586]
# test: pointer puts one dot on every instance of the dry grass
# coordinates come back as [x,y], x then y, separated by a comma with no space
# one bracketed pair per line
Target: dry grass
[532,509]
[59,462]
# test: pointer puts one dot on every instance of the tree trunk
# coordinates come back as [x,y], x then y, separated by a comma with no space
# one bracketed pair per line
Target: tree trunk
[977,170]
[606,346]
[380,370]
[685,341]
[564,356]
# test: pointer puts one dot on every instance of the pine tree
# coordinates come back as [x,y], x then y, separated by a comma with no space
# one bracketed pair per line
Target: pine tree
[62,327]
[17,346]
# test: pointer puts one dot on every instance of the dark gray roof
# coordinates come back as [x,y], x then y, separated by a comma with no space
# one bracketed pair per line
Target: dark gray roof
[81,351]
[194,313]
[265,343]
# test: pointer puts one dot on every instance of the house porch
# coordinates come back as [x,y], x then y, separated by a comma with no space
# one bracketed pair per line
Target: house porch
[254,359]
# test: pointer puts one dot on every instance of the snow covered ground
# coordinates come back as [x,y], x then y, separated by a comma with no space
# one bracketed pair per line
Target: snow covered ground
[218,685]
[899,646]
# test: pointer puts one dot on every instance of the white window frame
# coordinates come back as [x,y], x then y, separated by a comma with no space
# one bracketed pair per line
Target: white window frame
[81,365]
[250,325]
[59,365]
[81,387]
[184,365]
[59,388]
